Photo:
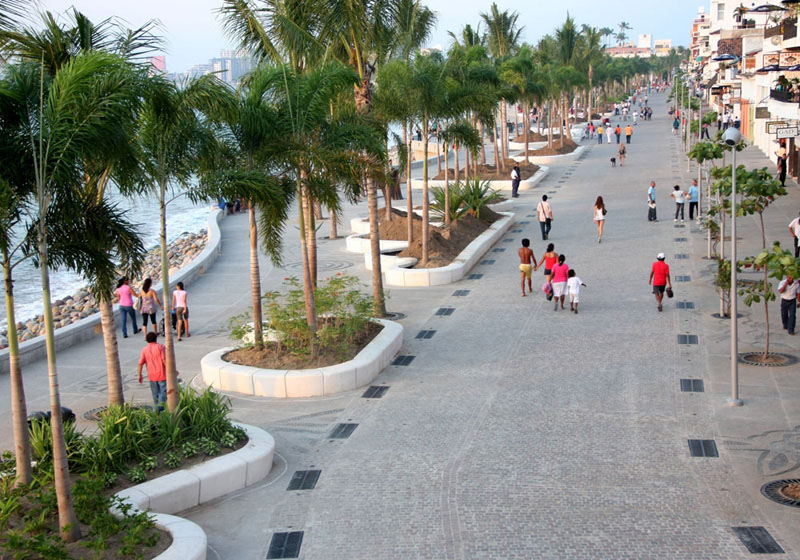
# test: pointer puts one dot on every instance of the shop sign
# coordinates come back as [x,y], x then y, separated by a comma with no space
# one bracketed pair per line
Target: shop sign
[762,113]
[773,126]
[786,132]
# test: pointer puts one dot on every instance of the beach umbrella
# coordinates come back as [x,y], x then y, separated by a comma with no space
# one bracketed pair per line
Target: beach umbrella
[768,68]
[765,8]
[725,57]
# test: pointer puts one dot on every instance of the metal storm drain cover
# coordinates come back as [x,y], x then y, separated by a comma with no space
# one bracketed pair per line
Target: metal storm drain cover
[474,276]
[757,540]
[403,360]
[687,339]
[375,392]
[461,293]
[487,261]
[342,431]
[703,448]
[685,305]
[445,311]
[304,480]
[692,385]
[425,334]
[499,250]
[786,492]
[285,545]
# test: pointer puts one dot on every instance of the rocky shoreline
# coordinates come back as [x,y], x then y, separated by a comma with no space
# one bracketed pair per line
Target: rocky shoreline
[82,304]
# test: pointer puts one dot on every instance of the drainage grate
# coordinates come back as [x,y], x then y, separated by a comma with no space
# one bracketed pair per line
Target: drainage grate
[703,448]
[775,491]
[445,311]
[692,386]
[508,240]
[683,278]
[524,222]
[474,276]
[685,305]
[529,216]
[461,293]
[403,360]
[680,239]
[680,256]
[516,231]
[687,339]
[487,261]
[425,334]
[757,540]
[304,480]
[679,226]
[551,192]
[342,431]
[285,545]
[499,250]
[375,391]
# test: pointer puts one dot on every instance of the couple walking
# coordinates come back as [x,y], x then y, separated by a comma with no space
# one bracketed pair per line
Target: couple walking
[560,279]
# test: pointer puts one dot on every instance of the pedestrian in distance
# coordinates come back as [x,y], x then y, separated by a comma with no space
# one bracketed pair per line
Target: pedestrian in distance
[515,181]
[149,299]
[622,151]
[794,229]
[125,295]
[609,132]
[558,278]
[599,214]
[680,201]
[600,134]
[545,214]
[693,196]
[180,303]
[790,301]
[618,132]
[651,202]
[676,124]
[705,132]
[781,162]
[527,262]
[574,288]
[628,133]
[154,356]
[659,279]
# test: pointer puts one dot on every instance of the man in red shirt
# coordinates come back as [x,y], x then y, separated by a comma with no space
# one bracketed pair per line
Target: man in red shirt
[659,278]
[154,357]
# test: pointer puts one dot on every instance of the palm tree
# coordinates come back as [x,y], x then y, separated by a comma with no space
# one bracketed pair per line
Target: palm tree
[529,84]
[606,32]
[469,37]
[74,115]
[623,27]
[173,137]
[590,52]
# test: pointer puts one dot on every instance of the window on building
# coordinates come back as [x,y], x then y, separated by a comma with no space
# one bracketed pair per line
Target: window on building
[720,11]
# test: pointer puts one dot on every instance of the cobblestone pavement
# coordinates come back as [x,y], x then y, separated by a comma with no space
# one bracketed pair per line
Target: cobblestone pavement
[519,431]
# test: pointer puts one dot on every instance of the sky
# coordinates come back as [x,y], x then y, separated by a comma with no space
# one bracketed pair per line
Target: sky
[193,33]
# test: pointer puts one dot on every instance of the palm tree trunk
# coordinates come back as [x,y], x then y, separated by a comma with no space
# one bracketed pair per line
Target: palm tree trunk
[115,393]
[466,162]
[438,155]
[173,395]
[308,289]
[311,238]
[378,303]
[425,201]
[561,118]
[526,124]
[19,410]
[446,186]
[504,118]
[255,280]
[409,203]
[67,520]
[456,172]
[318,210]
[589,100]
[550,125]
[482,132]
[497,157]
[334,219]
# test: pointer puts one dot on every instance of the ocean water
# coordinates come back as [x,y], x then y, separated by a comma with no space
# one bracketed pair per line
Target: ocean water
[182,216]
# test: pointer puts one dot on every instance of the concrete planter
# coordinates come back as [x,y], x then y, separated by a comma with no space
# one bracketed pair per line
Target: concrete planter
[455,271]
[317,382]
[89,327]
[497,185]
[197,485]
[553,159]
[521,145]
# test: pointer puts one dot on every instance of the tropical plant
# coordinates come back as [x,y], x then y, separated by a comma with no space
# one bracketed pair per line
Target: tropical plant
[478,195]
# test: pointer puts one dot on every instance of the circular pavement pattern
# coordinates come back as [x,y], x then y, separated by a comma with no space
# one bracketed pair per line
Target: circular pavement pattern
[776,491]
[321,265]
[775,359]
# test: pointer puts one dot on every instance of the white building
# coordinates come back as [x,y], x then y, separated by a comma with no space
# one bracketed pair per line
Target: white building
[645,41]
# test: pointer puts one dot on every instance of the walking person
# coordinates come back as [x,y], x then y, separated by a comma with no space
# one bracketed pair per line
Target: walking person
[693,196]
[659,279]
[149,301]
[154,356]
[794,228]
[545,214]
[527,262]
[574,288]
[621,152]
[790,301]
[609,132]
[549,259]
[651,202]
[781,153]
[628,133]
[680,199]
[599,216]
[181,306]
[676,124]
[618,132]
[125,295]
[600,134]
[558,278]
[515,181]
[705,132]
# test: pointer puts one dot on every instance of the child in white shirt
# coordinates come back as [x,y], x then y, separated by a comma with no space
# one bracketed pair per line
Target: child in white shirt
[573,287]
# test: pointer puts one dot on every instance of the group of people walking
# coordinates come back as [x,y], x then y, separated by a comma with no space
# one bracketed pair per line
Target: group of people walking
[680,197]
[146,302]
[560,280]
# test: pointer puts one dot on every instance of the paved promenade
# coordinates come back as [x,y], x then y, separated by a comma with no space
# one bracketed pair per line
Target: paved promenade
[517,431]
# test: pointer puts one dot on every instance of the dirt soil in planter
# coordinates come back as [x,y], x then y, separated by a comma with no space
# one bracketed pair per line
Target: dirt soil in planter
[535,137]
[274,357]
[490,173]
[556,150]
[792,490]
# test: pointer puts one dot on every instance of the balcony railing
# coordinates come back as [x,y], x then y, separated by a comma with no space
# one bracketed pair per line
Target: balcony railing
[789,28]
[785,96]
[774,31]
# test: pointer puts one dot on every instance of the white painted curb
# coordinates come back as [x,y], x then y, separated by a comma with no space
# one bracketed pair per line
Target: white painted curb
[496,185]
[455,271]
[196,485]
[553,159]
[89,327]
[316,382]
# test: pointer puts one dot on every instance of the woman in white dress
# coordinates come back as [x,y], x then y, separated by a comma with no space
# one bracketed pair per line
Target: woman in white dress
[599,213]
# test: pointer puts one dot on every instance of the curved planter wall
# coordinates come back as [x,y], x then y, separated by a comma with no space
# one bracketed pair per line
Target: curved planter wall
[496,185]
[89,327]
[197,485]
[316,382]
[553,159]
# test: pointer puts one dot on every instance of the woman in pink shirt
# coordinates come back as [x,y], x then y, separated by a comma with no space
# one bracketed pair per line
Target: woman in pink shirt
[559,275]
[125,295]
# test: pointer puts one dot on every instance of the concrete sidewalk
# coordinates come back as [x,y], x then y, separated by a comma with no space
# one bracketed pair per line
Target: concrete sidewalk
[517,431]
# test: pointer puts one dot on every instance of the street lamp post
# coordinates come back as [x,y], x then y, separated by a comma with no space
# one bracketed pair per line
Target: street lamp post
[732,137]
